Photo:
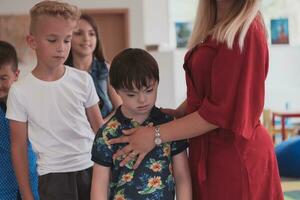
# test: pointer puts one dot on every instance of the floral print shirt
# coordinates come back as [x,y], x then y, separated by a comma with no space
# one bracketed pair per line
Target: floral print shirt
[153,179]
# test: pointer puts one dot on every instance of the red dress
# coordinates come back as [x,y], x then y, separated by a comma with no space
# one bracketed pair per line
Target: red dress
[226,87]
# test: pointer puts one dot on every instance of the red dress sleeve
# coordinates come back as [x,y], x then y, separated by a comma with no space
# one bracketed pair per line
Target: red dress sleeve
[236,96]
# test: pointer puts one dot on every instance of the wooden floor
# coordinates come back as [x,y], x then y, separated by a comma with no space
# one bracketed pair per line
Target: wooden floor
[291,188]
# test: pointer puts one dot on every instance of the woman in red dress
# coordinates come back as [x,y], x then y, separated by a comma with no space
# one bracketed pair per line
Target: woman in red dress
[231,154]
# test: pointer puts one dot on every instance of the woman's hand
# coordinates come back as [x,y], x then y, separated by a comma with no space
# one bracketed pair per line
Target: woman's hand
[141,142]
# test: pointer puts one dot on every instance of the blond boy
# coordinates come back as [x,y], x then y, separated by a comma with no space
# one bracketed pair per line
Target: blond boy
[56,107]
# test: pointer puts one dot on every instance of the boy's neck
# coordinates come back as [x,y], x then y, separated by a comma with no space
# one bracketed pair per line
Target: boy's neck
[139,118]
[48,74]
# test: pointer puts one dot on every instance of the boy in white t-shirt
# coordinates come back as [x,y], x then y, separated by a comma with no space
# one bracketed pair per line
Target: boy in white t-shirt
[56,107]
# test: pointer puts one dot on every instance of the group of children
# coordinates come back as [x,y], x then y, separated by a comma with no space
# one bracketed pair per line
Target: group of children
[55,109]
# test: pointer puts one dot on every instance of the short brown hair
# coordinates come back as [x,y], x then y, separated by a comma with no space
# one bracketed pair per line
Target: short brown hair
[55,9]
[133,67]
[8,55]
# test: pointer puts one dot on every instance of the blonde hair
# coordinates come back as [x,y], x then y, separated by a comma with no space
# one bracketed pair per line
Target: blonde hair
[55,9]
[237,22]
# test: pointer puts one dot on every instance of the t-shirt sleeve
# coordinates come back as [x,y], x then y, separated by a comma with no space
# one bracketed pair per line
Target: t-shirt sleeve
[178,147]
[101,151]
[92,97]
[236,97]
[15,106]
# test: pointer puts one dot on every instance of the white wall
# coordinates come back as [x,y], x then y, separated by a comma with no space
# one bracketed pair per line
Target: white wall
[156,22]
[283,81]
[172,87]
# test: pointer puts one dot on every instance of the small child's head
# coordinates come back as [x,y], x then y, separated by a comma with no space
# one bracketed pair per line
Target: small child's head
[9,71]
[134,75]
[51,27]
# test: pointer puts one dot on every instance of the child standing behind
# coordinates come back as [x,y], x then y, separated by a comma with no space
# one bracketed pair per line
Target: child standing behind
[87,54]
[9,73]
[56,106]
[134,75]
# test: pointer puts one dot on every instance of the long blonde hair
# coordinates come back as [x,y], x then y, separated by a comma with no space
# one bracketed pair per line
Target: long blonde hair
[236,22]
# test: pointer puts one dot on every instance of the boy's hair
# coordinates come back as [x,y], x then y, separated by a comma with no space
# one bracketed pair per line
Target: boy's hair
[8,55]
[133,67]
[55,9]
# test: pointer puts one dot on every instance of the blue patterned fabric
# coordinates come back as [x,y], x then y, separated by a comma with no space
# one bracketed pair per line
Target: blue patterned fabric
[8,182]
[153,179]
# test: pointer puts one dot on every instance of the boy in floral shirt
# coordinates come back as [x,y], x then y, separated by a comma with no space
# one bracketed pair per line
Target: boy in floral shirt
[134,75]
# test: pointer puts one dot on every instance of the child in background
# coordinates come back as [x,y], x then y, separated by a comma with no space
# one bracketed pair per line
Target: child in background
[87,54]
[9,73]
[56,106]
[134,75]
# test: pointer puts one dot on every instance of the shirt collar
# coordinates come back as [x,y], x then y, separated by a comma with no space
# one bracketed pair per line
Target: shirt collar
[155,116]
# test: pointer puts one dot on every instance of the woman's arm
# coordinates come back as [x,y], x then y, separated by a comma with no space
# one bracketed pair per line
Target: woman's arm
[94,116]
[18,136]
[141,140]
[182,176]
[100,182]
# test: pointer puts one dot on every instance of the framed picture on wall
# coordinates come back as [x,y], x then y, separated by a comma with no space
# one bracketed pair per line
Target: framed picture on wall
[183,32]
[280,31]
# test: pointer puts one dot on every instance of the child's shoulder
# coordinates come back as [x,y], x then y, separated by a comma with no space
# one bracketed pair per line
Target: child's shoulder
[110,126]
[76,72]
[160,116]
[23,82]
[78,76]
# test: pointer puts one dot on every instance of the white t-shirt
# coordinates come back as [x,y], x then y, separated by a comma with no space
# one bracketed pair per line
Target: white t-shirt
[58,128]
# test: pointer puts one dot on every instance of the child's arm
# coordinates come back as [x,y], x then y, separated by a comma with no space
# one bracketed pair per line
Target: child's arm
[94,116]
[19,136]
[100,182]
[113,96]
[115,100]
[182,177]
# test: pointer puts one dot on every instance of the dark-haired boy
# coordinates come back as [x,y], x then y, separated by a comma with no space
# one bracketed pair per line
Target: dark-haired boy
[9,73]
[134,75]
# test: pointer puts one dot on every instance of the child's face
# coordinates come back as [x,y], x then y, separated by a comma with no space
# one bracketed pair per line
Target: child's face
[7,77]
[52,40]
[138,103]
[84,39]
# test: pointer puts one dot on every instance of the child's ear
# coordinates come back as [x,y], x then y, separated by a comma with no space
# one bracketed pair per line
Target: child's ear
[31,41]
[17,73]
